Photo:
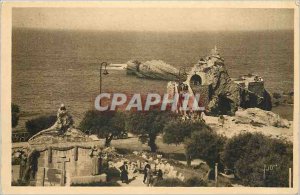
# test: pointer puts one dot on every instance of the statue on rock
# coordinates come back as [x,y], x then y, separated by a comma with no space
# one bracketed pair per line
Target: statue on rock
[64,119]
[62,130]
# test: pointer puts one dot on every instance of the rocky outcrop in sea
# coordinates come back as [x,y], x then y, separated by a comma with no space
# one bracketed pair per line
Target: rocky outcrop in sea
[154,69]
[223,94]
[228,95]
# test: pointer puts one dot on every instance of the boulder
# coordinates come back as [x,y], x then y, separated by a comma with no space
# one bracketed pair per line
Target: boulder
[259,117]
[154,69]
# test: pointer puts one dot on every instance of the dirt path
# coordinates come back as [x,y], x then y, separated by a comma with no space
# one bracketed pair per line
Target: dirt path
[135,181]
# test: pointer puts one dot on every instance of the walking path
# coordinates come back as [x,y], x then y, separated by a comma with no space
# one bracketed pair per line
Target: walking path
[135,181]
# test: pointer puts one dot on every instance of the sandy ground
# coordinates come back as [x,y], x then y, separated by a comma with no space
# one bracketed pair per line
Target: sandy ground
[137,181]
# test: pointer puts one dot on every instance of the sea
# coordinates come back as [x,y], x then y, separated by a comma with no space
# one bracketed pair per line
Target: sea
[50,67]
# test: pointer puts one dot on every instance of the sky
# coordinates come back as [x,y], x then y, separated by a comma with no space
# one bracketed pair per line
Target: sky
[154,19]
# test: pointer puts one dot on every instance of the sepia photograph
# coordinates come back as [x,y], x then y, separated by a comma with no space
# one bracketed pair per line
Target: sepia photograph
[150,96]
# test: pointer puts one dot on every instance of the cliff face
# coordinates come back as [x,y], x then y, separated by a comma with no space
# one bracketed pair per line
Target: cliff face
[227,95]
[154,69]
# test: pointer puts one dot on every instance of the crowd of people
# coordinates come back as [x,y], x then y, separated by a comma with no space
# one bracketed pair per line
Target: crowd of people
[150,175]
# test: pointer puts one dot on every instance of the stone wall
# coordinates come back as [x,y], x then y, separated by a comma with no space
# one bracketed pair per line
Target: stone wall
[78,163]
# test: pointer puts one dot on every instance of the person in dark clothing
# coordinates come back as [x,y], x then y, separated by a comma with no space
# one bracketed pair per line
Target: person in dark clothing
[23,161]
[159,175]
[147,166]
[124,173]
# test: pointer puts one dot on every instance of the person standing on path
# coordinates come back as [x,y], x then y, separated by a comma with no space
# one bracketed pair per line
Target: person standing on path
[147,166]
[149,177]
[124,173]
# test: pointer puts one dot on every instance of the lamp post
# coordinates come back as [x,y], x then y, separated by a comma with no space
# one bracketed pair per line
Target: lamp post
[105,72]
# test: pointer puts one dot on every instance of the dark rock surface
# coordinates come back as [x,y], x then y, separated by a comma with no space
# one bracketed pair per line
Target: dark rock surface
[282,98]
[228,95]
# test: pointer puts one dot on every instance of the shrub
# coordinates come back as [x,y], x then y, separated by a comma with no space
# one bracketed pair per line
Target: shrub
[15,110]
[195,182]
[175,132]
[112,173]
[249,154]
[106,124]
[206,145]
[36,125]
[147,125]
[235,148]
[20,183]
[170,182]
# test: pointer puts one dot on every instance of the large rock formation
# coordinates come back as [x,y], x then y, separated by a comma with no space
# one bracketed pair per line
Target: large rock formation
[154,69]
[228,95]
[225,93]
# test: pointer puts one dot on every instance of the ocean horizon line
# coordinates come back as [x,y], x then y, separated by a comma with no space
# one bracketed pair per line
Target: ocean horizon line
[149,31]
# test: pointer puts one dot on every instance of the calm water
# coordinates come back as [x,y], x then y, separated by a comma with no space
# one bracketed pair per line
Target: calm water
[50,67]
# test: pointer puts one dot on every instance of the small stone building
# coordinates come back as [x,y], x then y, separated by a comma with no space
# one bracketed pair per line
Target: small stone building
[64,164]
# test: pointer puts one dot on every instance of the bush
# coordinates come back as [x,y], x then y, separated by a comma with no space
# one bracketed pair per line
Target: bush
[112,173]
[147,125]
[108,124]
[20,183]
[36,125]
[170,183]
[15,110]
[195,182]
[206,145]
[175,132]
[249,154]
[235,148]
